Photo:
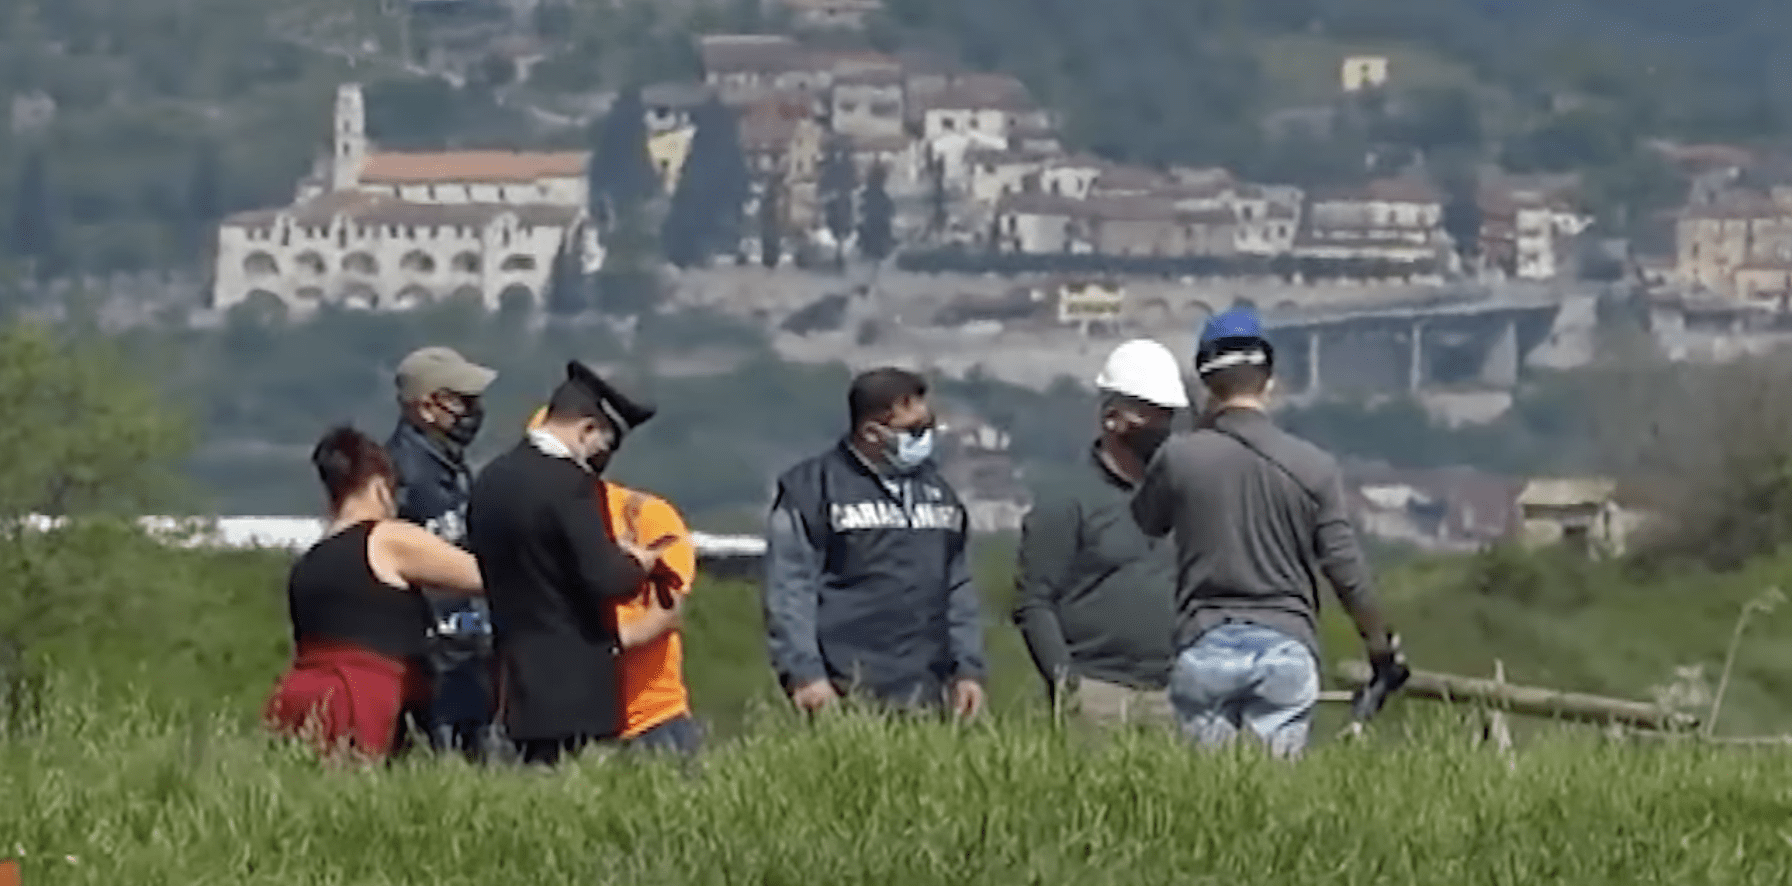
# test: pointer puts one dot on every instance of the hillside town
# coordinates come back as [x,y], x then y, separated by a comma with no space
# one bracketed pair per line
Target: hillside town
[972,164]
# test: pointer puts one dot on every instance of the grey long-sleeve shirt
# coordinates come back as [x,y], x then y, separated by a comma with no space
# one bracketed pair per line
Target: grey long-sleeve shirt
[1252,538]
[1094,596]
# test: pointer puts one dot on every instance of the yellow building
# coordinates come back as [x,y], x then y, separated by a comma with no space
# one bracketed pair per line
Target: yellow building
[1360,72]
[667,150]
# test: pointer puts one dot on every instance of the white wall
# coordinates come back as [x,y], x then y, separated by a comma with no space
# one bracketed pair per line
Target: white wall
[396,267]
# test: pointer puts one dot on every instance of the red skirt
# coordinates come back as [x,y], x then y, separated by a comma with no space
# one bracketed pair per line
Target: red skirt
[343,697]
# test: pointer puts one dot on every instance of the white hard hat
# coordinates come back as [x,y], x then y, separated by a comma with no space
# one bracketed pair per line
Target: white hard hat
[1146,370]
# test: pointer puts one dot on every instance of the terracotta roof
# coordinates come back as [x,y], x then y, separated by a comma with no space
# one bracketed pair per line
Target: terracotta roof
[1129,178]
[1077,161]
[978,92]
[919,61]
[1706,154]
[1738,205]
[769,128]
[879,144]
[388,167]
[1005,156]
[841,5]
[1389,190]
[1566,492]
[364,208]
[1029,203]
[675,94]
[765,53]
[1122,209]
[883,78]
[855,61]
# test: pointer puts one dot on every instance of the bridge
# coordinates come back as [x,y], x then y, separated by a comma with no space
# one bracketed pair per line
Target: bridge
[1453,342]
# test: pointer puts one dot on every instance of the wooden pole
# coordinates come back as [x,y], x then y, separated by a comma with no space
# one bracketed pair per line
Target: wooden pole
[1497,731]
[1531,700]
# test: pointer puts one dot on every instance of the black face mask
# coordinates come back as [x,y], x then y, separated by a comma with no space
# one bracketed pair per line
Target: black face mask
[598,462]
[1145,441]
[466,425]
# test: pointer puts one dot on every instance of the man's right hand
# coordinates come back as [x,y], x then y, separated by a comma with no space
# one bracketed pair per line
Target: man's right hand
[629,540]
[1388,662]
[814,695]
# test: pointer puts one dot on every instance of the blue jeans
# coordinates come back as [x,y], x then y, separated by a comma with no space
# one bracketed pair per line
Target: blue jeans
[1241,674]
[679,735]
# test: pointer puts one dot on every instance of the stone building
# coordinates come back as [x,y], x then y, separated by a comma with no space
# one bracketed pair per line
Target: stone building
[1738,245]
[393,231]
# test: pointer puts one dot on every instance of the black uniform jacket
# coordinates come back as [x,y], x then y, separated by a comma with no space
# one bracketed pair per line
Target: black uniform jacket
[553,574]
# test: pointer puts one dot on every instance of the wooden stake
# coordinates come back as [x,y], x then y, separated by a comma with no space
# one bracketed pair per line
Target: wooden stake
[1530,700]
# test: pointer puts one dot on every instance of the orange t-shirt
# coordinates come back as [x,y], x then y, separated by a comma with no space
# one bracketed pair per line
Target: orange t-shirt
[653,689]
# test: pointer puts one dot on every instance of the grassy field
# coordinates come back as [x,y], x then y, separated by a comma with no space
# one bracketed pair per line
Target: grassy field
[145,764]
[139,796]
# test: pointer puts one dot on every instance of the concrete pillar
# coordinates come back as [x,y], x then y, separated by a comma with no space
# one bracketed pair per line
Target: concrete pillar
[1500,369]
[1313,362]
[1415,367]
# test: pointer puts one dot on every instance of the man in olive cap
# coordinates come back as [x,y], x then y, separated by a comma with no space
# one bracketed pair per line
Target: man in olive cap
[440,413]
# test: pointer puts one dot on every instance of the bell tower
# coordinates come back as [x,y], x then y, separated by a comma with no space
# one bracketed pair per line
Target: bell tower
[348,145]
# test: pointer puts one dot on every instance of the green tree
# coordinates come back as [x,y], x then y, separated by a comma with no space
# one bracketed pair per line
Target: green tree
[877,225]
[34,216]
[704,219]
[771,221]
[1462,212]
[413,113]
[938,201]
[204,198]
[622,172]
[836,185]
[88,433]
[629,281]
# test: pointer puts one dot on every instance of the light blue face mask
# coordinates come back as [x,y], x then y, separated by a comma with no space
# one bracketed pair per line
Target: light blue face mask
[907,452]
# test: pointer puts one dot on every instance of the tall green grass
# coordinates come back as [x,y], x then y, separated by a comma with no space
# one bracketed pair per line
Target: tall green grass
[140,759]
[140,796]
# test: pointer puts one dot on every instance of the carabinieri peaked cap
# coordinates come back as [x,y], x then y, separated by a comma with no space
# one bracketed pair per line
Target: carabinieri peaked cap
[625,412]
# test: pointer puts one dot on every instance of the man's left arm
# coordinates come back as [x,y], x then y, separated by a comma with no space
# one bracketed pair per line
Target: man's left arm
[964,612]
[1153,503]
[1340,559]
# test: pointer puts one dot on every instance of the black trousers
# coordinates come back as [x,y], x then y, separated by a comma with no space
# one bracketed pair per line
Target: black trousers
[550,751]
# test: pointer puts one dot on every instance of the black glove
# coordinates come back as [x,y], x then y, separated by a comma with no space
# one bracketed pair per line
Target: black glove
[1388,673]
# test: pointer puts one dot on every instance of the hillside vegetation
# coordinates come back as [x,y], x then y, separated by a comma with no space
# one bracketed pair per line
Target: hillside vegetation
[223,102]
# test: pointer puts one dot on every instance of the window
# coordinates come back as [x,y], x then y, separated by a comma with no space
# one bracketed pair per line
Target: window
[518,263]
[260,264]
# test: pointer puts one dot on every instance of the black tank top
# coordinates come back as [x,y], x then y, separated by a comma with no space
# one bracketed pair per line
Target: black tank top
[333,595]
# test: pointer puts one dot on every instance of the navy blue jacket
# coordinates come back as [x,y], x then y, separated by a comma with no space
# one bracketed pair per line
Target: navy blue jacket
[433,483]
[866,580]
[433,487]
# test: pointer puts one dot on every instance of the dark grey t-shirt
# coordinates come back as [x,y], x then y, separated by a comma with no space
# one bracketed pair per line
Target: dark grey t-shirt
[1093,594]
[1252,538]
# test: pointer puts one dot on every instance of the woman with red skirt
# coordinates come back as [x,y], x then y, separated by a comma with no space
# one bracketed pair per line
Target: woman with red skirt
[358,620]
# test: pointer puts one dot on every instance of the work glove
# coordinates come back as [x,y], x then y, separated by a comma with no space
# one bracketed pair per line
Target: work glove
[1388,672]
